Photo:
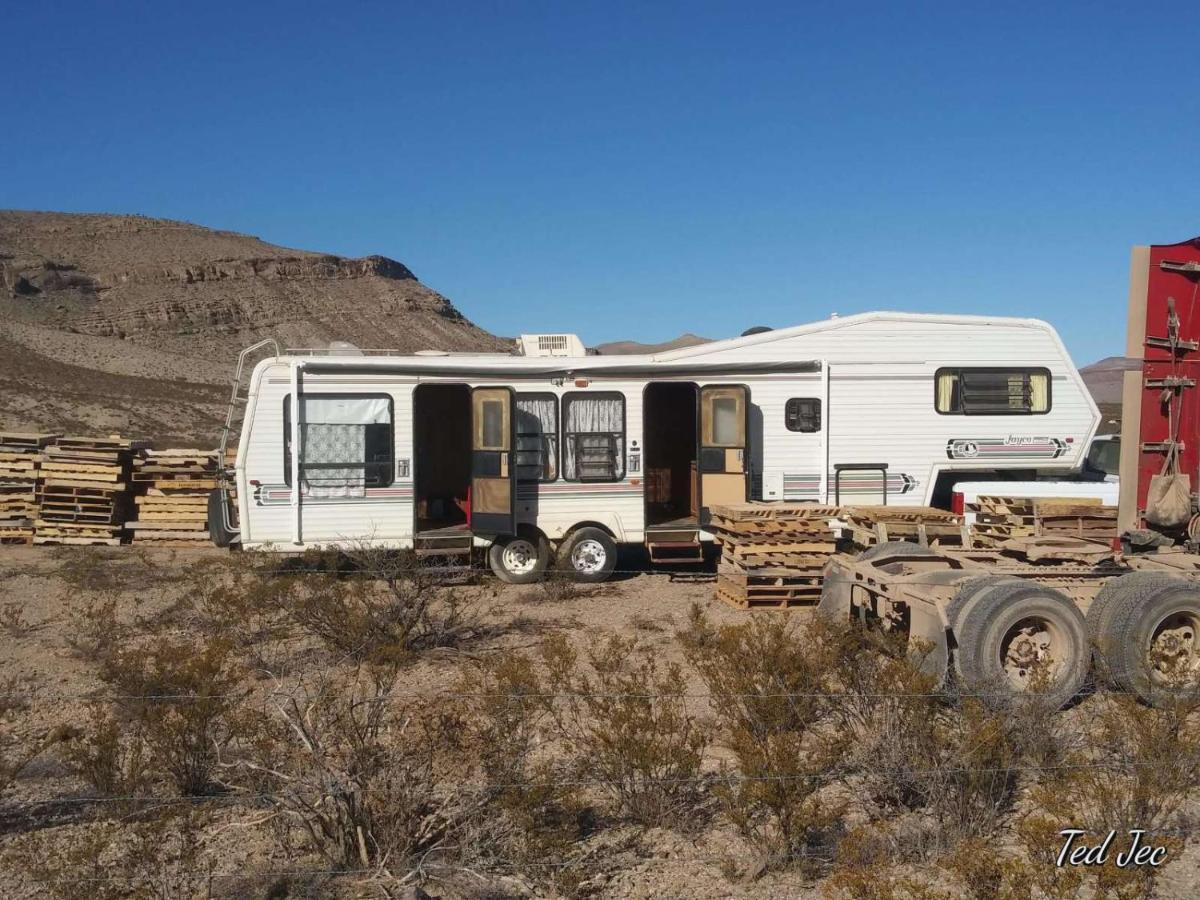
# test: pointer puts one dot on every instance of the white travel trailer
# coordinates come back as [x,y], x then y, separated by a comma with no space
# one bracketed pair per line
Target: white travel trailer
[538,451]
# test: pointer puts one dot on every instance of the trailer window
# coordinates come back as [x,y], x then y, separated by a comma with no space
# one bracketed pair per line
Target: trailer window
[593,436]
[537,437]
[803,414]
[992,392]
[347,443]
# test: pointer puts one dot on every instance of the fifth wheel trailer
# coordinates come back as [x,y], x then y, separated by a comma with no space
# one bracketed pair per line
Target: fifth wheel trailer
[549,451]
[1001,623]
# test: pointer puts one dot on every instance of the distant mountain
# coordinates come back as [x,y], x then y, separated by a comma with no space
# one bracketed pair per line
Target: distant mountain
[1104,378]
[617,348]
[118,323]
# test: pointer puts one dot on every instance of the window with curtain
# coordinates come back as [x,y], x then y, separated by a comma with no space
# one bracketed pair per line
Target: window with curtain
[593,436]
[992,392]
[346,443]
[537,437]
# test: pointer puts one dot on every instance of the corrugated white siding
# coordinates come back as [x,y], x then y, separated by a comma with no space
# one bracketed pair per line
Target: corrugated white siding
[878,407]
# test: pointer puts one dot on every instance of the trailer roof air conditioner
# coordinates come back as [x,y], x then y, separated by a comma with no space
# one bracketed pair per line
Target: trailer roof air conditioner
[550,345]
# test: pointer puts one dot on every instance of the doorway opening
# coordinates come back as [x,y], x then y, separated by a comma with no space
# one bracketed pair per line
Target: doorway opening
[669,436]
[441,456]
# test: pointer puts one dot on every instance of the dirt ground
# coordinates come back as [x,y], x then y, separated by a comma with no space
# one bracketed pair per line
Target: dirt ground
[40,588]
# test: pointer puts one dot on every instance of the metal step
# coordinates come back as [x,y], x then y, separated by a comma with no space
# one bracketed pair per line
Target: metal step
[676,551]
[436,544]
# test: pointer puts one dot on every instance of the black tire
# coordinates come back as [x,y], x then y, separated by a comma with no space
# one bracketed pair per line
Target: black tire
[589,555]
[1154,641]
[885,550]
[973,588]
[519,559]
[1112,603]
[988,638]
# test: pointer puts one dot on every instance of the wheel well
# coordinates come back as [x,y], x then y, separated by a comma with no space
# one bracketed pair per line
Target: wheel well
[574,528]
[531,531]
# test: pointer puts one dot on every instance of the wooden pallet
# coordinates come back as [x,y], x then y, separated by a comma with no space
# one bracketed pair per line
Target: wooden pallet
[791,599]
[742,512]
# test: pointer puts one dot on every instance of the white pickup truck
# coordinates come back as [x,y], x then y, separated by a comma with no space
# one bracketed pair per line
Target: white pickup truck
[1096,480]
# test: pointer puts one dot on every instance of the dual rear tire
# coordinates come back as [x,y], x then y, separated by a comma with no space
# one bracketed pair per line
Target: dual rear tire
[588,555]
[1145,631]
[1017,639]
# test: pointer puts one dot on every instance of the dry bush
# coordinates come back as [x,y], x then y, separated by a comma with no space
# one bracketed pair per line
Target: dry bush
[557,586]
[93,630]
[384,619]
[768,682]
[183,702]
[13,622]
[1134,766]
[157,858]
[109,755]
[627,727]
[90,569]
[529,810]
[356,777]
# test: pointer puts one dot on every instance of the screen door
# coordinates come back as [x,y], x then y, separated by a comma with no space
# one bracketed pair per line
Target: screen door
[724,444]
[493,469]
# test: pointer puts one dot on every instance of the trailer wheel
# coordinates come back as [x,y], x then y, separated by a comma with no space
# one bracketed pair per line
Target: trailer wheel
[589,555]
[1022,639]
[1113,603]
[882,552]
[1154,641]
[519,559]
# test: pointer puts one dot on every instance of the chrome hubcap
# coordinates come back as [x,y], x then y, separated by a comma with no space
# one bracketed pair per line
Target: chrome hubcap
[588,557]
[520,557]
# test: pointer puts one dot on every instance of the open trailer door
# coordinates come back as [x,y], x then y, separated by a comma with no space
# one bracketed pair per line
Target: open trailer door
[493,472]
[724,464]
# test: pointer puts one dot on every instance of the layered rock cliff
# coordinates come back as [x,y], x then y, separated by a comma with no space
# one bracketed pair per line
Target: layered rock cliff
[130,297]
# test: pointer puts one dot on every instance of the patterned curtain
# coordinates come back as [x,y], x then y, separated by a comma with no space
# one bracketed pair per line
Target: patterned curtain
[322,447]
[601,421]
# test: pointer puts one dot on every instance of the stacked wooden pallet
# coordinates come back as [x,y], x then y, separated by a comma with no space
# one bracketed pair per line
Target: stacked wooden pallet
[870,525]
[81,496]
[1074,517]
[772,554]
[20,456]
[999,519]
[172,495]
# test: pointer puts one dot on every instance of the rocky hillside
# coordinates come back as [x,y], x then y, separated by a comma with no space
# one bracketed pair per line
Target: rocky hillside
[131,324]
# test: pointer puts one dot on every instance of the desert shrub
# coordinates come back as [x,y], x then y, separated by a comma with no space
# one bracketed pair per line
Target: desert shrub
[1134,766]
[382,619]
[557,586]
[13,621]
[530,810]
[157,858]
[627,727]
[356,777]
[183,702]
[109,755]
[769,690]
[93,630]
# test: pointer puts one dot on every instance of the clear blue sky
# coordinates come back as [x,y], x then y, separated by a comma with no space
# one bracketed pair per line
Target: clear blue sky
[639,170]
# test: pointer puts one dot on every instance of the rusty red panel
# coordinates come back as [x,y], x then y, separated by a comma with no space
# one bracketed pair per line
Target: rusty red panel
[1165,282]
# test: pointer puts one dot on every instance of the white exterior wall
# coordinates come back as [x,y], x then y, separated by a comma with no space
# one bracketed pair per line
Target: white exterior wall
[877,389]
[881,403]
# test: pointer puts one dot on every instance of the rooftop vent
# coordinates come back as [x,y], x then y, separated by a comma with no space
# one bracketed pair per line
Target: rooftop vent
[550,345]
